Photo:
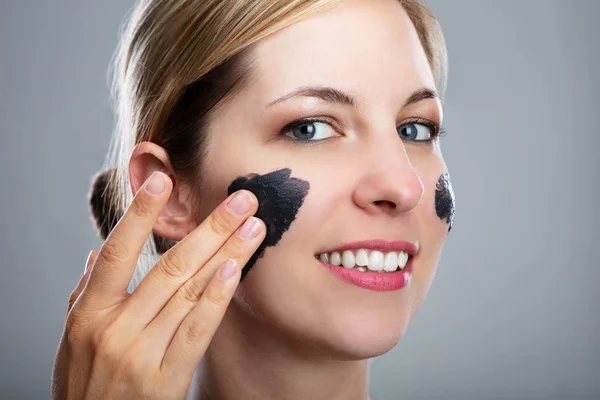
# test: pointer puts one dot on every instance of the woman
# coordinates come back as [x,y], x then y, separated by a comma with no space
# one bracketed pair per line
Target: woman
[318,122]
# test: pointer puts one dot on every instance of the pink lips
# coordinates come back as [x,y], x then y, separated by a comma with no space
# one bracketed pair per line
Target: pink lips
[376,281]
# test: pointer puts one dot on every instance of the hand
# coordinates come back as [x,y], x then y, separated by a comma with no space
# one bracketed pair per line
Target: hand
[147,344]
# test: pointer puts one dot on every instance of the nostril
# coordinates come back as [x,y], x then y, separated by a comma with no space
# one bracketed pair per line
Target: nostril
[385,203]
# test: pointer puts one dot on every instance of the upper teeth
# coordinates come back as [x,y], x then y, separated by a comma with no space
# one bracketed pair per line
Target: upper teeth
[374,260]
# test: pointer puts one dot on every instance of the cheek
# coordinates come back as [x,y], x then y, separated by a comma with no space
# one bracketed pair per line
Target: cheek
[436,210]
[433,231]
[437,206]
[280,197]
[436,216]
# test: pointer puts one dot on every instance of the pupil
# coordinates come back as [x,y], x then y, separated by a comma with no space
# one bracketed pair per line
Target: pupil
[305,130]
[410,131]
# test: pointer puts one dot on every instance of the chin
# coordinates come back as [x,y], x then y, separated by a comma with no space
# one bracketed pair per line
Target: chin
[361,337]
[324,317]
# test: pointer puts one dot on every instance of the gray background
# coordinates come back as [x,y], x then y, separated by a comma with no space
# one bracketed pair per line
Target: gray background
[512,313]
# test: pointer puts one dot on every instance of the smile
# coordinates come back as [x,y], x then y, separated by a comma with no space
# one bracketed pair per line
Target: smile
[364,259]
[371,256]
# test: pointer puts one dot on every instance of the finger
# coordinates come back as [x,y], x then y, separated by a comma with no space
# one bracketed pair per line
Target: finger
[119,253]
[90,261]
[184,259]
[197,330]
[83,280]
[238,248]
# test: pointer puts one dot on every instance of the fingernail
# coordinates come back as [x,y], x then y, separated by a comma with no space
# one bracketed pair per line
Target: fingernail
[250,228]
[240,203]
[156,184]
[228,269]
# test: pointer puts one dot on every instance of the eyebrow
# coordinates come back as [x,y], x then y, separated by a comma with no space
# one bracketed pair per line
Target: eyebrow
[421,94]
[336,96]
[328,94]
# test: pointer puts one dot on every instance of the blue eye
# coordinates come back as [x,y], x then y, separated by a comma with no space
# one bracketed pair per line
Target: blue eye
[417,132]
[308,130]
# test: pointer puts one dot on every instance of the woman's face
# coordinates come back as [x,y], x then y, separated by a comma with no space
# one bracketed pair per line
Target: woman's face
[369,177]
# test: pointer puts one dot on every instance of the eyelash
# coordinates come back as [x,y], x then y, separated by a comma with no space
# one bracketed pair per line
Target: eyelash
[438,131]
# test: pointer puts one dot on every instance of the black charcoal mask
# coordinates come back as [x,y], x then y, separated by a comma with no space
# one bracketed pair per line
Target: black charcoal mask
[279,199]
[444,200]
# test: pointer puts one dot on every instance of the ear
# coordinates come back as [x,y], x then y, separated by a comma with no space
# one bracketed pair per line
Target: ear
[176,219]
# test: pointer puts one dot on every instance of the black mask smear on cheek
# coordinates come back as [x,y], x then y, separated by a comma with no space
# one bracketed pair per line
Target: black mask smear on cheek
[444,200]
[279,199]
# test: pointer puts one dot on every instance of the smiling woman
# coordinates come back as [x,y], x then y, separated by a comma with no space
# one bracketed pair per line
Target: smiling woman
[327,112]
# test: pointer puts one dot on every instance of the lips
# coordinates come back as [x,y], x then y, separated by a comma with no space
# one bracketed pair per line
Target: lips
[367,279]
[375,281]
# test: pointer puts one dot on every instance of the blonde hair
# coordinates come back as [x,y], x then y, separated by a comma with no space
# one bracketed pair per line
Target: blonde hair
[177,60]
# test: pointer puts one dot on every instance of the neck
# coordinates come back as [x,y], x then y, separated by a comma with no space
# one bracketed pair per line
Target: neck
[250,360]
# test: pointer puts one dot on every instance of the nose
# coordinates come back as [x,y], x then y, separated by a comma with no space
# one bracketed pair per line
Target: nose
[390,183]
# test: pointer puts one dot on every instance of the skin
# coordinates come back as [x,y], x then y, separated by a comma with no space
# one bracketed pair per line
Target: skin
[292,322]
[117,345]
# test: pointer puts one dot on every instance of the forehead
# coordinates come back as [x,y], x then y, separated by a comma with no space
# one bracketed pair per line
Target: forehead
[368,47]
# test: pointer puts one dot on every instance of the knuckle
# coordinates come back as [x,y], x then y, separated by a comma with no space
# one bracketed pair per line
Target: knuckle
[173,264]
[215,296]
[149,390]
[113,250]
[133,369]
[141,207]
[105,341]
[196,330]
[99,339]
[220,224]
[190,293]
[237,250]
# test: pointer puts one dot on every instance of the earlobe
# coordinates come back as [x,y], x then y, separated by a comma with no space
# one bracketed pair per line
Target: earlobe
[176,219]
